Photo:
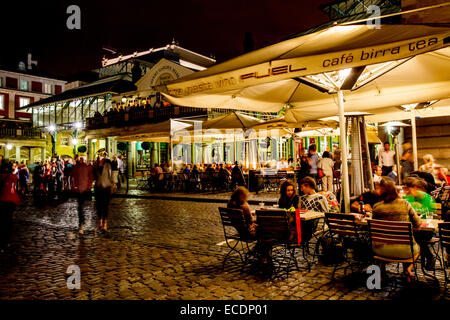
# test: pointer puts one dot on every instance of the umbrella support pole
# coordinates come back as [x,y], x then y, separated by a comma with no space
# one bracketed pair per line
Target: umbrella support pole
[344,153]
[414,140]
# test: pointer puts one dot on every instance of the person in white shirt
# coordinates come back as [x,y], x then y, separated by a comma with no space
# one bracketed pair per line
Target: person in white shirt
[326,164]
[282,165]
[386,159]
[377,172]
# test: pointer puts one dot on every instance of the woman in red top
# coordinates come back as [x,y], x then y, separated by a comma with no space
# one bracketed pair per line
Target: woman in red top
[8,201]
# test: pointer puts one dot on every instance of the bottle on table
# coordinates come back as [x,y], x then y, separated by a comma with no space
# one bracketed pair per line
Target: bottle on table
[362,210]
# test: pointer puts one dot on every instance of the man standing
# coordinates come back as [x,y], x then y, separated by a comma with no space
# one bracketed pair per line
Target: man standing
[83,177]
[59,175]
[121,166]
[386,159]
[406,164]
[313,161]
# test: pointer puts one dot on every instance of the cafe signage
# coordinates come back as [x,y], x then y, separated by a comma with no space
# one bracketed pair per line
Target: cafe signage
[297,67]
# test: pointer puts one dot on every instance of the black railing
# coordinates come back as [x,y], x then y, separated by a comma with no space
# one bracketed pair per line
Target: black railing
[140,115]
[18,133]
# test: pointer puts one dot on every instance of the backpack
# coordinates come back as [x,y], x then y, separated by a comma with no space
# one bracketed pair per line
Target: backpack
[332,251]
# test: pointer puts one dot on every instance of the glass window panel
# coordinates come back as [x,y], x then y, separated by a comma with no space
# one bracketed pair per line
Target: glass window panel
[41,116]
[52,115]
[72,111]
[64,114]
[101,106]
[23,85]
[23,101]
[86,110]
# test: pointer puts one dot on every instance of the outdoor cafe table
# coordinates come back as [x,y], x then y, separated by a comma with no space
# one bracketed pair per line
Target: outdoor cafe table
[305,216]
[426,225]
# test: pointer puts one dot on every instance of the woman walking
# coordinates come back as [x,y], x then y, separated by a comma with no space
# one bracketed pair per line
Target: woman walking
[103,184]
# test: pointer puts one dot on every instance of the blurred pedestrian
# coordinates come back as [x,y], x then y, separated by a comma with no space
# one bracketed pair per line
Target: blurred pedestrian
[326,164]
[9,199]
[313,160]
[406,164]
[59,175]
[24,176]
[82,178]
[103,184]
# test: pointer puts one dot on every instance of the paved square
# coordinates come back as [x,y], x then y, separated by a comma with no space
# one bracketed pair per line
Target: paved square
[155,249]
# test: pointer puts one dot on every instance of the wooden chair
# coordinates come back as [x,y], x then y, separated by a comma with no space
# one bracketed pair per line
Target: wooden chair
[382,232]
[348,237]
[237,236]
[444,238]
[274,232]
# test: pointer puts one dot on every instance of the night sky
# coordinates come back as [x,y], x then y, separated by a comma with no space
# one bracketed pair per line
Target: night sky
[205,26]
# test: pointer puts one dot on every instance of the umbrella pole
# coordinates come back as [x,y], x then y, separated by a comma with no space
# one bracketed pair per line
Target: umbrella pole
[344,152]
[414,140]
[368,161]
[171,145]
[397,159]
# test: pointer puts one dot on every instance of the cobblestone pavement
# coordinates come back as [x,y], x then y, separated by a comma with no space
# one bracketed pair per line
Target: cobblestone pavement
[155,249]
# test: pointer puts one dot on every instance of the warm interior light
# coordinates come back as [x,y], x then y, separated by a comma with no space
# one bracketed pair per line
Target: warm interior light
[9,146]
[74,141]
[78,125]
[409,107]
[344,73]
[51,128]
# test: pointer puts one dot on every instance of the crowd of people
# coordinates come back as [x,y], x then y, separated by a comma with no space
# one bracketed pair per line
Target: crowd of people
[54,181]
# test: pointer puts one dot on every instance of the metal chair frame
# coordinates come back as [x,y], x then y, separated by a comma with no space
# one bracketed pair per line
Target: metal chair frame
[273,228]
[444,239]
[393,232]
[343,228]
[235,219]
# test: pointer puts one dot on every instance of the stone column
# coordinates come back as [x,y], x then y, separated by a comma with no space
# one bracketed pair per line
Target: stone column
[131,147]
[18,154]
[42,154]
[108,146]
[154,155]
[89,149]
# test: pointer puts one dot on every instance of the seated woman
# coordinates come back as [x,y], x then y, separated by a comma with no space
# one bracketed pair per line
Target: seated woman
[393,208]
[422,203]
[288,196]
[414,194]
[239,200]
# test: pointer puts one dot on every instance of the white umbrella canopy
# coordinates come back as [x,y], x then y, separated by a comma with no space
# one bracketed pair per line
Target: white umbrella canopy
[439,109]
[328,50]
[281,123]
[233,120]
[392,65]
